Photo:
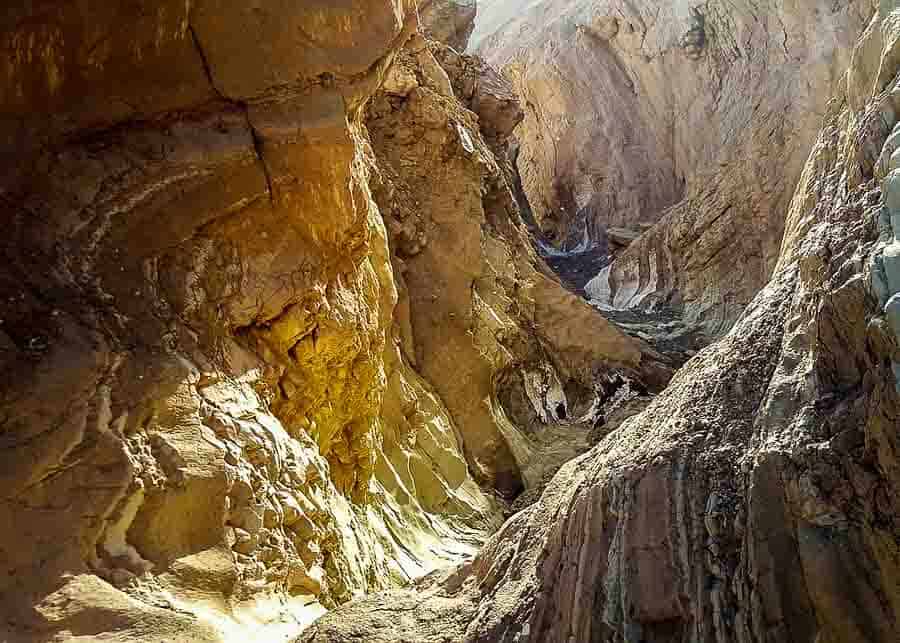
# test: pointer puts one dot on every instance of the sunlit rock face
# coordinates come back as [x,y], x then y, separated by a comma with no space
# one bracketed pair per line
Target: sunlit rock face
[698,117]
[756,499]
[263,294]
[208,424]
[475,309]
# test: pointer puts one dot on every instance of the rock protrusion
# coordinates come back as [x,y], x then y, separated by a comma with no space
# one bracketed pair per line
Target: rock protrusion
[696,117]
[449,21]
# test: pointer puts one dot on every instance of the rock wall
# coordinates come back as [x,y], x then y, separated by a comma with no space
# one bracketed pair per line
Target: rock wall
[449,21]
[475,308]
[756,499]
[235,397]
[699,116]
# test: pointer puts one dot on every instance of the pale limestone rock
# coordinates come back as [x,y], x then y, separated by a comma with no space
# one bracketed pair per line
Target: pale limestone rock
[622,236]
[699,116]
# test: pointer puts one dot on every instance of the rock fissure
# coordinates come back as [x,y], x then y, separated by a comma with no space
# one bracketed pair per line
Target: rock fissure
[207,69]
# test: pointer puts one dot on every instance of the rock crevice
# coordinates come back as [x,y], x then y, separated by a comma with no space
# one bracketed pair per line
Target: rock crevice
[666,114]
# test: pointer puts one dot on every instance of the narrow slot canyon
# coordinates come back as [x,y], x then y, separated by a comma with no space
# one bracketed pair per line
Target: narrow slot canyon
[451,321]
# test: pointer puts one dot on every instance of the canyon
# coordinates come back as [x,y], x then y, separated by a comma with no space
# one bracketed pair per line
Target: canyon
[411,320]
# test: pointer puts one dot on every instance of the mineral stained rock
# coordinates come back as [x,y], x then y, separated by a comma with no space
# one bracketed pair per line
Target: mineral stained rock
[696,115]
[253,358]
[757,498]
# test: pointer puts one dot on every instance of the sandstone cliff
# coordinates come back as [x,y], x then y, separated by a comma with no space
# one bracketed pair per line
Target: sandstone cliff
[259,359]
[699,114]
[756,499]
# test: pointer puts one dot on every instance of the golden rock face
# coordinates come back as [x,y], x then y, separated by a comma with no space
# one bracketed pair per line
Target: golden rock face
[275,338]
[333,380]
[235,400]
[210,412]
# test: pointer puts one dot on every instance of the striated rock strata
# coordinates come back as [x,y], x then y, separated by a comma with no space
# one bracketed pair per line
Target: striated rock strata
[258,359]
[696,115]
[756,499]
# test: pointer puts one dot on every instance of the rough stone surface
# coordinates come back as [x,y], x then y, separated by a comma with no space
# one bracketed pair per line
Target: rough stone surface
[477,307]
[449,21]
[275,338]
[696,115]
[253,359]
[210,426]
[757,498]
[622,237]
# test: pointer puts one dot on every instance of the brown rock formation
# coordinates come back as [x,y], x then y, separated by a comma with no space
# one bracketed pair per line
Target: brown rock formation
[477,306]
[274,336]
[756,499]
[208,421]
[215,420]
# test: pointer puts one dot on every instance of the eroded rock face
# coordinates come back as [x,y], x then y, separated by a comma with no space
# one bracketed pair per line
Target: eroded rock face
[208,419]
[756,499]
[235,397]
[699,117]
[449,21]
[477,307]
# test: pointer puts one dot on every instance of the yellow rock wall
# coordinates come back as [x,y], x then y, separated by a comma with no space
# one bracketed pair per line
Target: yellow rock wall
[224,411]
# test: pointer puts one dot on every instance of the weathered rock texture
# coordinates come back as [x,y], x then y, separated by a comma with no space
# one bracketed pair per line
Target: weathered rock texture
[449,21]
[233,396]
[701,114]
[481,319]
[756,499]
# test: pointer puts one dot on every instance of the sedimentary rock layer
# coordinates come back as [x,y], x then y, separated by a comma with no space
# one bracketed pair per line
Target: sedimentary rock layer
[701,115]
[756,499]
[234,396]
